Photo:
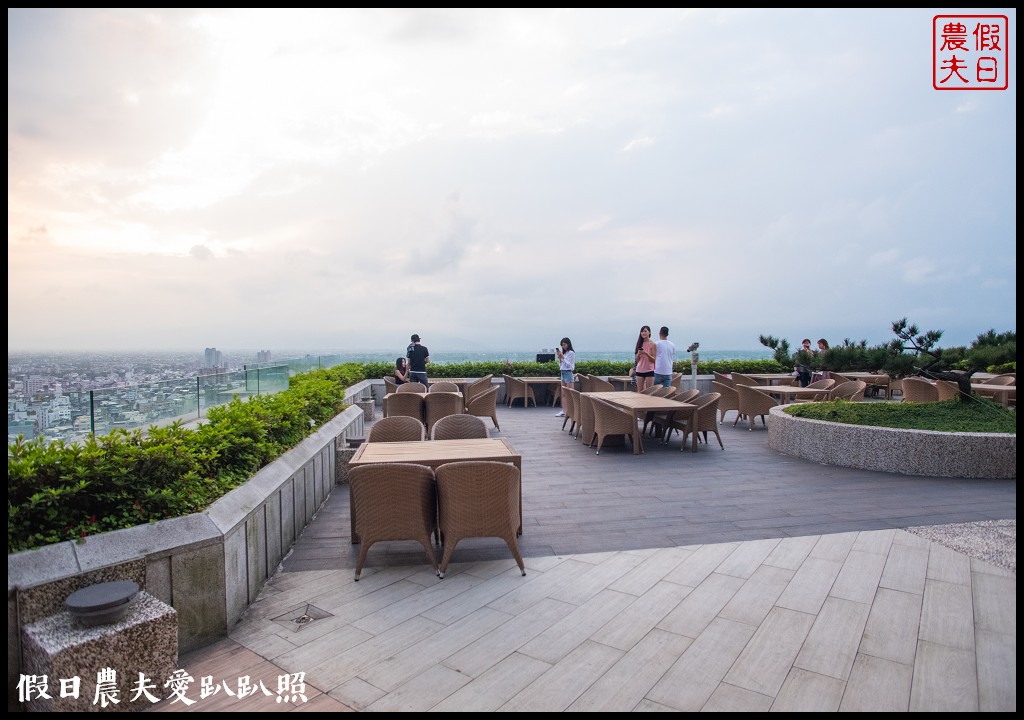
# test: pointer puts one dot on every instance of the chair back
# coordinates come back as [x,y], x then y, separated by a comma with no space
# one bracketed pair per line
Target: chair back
[611,420]
[390,385]
[479,498]
[1001,380]
[753,403]
[586,419]
[399,403]
[661,391]
[741,379]
[414,387]
[677,380]
[571,399]
[485,404]
[723,379]
[438,405]
[687,395]
[728,400]
[392,501]
[459,427]
[600,385]
[839,378]
[443,387]
[852,390]
[477,386]
[825,384]
[396,428]
[917,389]
[947,390]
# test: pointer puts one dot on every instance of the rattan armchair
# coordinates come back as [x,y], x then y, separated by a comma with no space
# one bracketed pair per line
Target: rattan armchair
[723,379]
[611,420]
[660,420]
[741,379]
[400,403]
[392,501]
[443,386]
[438,405]
[585,422]
[412,387]
[516,389]
[600,385]
[753,403]
[825,385]
[477,387]
[390,385]
[478,499]
[707,420]
[396,428]
[571,407]
[917,389]
[459,427]
[852,390]
[729,399]
[947,390]
[484,404]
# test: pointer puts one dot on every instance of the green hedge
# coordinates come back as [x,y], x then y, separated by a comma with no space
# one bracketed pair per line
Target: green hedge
[375,371]
[58,491]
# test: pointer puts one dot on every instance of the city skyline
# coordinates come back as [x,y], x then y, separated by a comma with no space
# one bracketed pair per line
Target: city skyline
[495,179]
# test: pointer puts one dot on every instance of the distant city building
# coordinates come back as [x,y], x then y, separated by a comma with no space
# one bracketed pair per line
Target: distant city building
[34,384]
[213,358]
[263,356]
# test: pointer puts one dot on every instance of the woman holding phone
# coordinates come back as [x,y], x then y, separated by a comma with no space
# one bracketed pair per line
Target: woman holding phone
[567,367]
[644,353]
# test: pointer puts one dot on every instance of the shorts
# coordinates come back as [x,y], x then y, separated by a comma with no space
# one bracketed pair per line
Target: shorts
[567,376]
[645,374]
[663,380]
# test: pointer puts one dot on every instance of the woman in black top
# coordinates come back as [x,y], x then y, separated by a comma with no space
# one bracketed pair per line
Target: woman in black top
[401,371]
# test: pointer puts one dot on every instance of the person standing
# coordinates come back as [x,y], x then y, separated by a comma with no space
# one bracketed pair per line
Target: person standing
[802,362]
[665,356]
[644,356]
[566,367]
[419,357]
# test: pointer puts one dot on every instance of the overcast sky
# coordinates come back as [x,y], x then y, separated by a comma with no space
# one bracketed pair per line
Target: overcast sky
[498,179]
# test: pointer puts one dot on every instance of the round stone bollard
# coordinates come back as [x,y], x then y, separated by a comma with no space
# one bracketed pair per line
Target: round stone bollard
[366,405]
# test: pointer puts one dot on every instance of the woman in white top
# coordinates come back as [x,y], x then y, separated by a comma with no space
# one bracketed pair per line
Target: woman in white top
[567,366]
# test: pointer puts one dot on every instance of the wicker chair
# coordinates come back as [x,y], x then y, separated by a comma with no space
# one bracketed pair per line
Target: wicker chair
[825,385]
[728,400]
[600,385]
[412,387]
[438,405]
[741,379]
[516,389]
[677,381]
[571,407]
[852,390]
[459,427]
[485,405]
[397,428]
[400,403]
[840,378]
[390,385]
[478,499]
[610,420]
[1005,379]
[660,420]
[477,387]
[917,389]
[723,379]
[947,390]
[707,421]
[753,403]
[393,501]
[585,422]
[443,387]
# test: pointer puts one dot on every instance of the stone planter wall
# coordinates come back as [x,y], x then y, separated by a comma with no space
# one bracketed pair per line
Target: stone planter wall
[908,452]
[208,566]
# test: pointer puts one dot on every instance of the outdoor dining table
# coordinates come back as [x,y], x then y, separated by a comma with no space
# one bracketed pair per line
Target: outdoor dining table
[435,453]
[999,393]
[771,378]
[625,381]
[789,393]
[545,381]
[639,404]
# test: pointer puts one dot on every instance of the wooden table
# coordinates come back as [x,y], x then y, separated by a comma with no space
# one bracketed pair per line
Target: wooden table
[626,381]
[638,404]
[435,453]
[771,378]
[789,393]
[545,381]
[999,393]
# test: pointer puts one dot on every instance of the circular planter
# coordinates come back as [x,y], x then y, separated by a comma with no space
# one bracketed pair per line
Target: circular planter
[908,452]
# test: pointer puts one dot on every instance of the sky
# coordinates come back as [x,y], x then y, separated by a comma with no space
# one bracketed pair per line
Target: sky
[499,179]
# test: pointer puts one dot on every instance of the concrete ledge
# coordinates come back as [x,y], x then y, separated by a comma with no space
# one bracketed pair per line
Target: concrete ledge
[208,566]
[907,452]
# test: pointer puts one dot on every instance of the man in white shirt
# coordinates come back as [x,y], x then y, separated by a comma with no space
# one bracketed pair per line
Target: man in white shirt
[665,355]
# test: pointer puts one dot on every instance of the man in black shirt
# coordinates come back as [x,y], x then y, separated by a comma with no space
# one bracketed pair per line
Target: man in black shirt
[418,356]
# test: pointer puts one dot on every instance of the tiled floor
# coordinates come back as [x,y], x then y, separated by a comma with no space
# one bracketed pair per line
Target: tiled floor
[722,580]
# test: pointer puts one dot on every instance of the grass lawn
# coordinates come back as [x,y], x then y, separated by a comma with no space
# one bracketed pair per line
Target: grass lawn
[979,415]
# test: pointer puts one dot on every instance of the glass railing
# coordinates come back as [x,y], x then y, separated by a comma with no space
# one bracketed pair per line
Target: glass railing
[162,403]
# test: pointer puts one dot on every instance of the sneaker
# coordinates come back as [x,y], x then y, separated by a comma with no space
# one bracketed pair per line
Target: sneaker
[561,413]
